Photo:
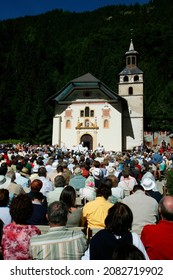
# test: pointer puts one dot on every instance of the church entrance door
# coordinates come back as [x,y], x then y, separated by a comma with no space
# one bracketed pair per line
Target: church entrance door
[87,141]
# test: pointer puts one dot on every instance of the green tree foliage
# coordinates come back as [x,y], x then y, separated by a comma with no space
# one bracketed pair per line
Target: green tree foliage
[40,54]
[169,181]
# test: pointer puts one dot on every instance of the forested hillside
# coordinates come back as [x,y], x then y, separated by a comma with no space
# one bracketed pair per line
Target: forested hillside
[40,54]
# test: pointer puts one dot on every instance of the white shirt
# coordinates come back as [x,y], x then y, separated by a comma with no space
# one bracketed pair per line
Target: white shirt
[47,185]
[5,215]
[127,183]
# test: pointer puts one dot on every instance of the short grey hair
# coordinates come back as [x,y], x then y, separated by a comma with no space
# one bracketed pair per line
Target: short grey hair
[57,213]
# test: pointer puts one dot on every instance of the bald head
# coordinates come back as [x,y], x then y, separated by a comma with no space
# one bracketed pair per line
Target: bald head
[166,208]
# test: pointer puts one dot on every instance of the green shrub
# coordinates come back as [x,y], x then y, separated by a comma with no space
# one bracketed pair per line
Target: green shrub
[169,181]
[10,141]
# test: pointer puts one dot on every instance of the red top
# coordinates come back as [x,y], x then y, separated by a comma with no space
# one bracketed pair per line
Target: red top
[158,240]
[16,241]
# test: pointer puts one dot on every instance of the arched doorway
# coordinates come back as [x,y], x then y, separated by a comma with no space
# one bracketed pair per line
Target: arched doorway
[87,141]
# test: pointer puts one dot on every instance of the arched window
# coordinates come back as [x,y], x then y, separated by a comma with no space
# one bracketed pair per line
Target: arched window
[68,124]
[128,60]
[106,124]
[126,79]
[133,60]
[136,78]
[130,91]
[82,113]
[92,113]
[87,110]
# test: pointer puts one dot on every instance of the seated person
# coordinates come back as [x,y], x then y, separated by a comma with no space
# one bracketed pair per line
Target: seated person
[16,235]
[38,216]
[157,238]
[118,224]
[127,182]
[143,207]
[95,211]
[59,184]
[4,206]
[150,189]
[35,187]
[78,180]
[128,251]
[13,187]
[1,232]
[60,242]
[68,196]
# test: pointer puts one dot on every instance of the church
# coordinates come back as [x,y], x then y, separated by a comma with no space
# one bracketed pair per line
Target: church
[88,112]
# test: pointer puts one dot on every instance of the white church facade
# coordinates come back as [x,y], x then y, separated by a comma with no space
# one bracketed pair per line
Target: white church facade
[87,111]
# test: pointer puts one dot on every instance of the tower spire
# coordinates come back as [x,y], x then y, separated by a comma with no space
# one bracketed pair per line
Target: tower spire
[131,47]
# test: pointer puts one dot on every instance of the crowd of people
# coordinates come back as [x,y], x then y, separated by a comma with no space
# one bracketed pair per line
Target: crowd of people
[91,205]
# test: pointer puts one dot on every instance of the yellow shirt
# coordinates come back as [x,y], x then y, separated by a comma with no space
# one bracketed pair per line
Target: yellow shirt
[95,212]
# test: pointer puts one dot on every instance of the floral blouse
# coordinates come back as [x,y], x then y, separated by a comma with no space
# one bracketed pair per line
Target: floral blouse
[16,241]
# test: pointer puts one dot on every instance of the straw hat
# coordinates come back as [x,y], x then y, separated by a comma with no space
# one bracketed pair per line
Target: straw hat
[77,171]
[25,172]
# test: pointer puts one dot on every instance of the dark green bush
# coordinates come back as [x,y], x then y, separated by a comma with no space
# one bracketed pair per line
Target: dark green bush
[169,181]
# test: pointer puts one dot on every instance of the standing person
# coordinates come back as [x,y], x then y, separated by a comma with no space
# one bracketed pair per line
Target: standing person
[16,235]
[60,242]
[144,208]
[157,239]
[117,232]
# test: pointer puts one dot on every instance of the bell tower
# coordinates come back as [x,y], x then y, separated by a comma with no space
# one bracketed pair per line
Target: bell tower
[130,87]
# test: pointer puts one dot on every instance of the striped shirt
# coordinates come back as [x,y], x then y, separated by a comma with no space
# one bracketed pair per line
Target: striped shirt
[59,243]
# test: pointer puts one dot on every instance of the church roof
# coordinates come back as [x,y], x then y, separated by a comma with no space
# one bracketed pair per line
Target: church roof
[131,71]
[86,78]
[85,87]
